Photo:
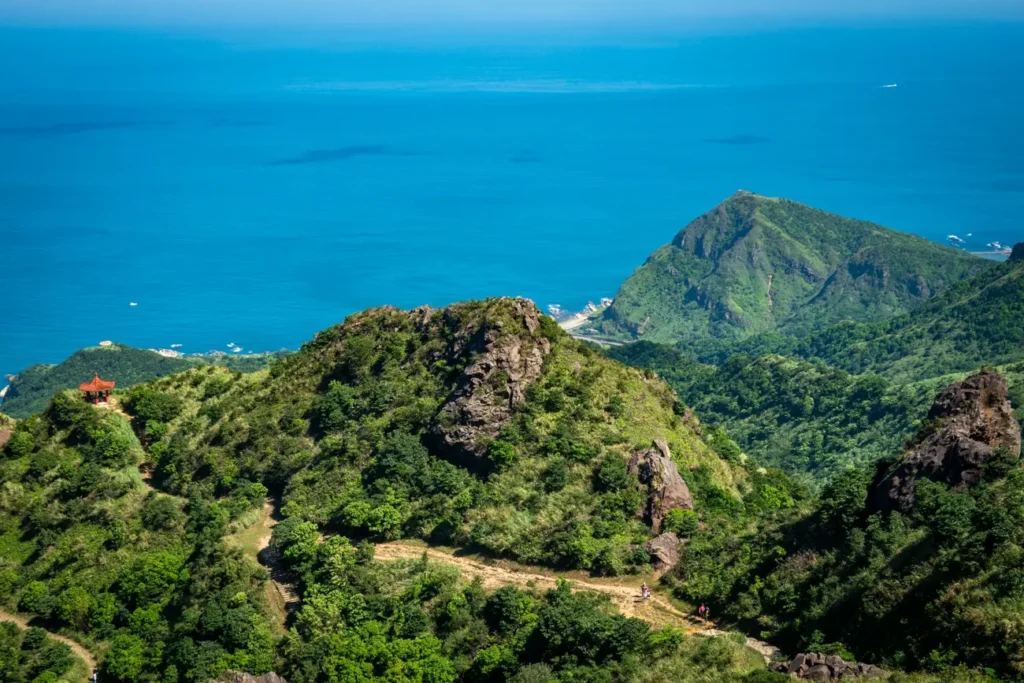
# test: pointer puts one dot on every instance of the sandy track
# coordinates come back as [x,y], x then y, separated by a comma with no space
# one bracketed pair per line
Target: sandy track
[271,559]
[625,594]
[76,647]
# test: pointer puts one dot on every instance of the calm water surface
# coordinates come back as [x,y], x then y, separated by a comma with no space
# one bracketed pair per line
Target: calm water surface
[252,194]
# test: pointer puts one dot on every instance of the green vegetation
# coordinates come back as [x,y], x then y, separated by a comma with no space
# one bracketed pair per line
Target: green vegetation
[32,389]
[349,428]
[805,418]
[349,431]
[88,549]
[483,426]
[936,589]
[976,322]
[415,621]
[31,655]
[755,265]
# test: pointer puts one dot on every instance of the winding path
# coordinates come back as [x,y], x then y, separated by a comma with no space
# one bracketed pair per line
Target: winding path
[77,648]
[270,558]
[624,593]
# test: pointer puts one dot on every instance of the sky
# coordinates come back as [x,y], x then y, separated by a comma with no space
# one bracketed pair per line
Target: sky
[436,13]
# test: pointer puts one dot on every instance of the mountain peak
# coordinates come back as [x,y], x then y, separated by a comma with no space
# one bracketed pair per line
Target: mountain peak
[757,264]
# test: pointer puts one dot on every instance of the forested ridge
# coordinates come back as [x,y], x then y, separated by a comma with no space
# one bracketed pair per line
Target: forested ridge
[915,562]
[32,388]
[482,426]
[807,418]
[757,265]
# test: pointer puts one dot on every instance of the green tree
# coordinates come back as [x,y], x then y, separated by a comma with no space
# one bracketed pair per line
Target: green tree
[126,658]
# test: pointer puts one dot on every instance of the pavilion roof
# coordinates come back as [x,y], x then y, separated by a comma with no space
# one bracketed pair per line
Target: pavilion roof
[96,384]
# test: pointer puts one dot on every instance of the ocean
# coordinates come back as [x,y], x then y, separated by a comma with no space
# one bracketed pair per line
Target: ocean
[242,191]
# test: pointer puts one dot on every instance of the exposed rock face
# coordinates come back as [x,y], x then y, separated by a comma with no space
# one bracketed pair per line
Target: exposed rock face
[6,429]
[666,490]
[242,677]
[971,419]
[1018,252]
[489,389]
[664,550]
[815,666]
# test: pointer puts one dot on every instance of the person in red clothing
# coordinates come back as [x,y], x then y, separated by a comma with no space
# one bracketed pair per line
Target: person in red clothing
[702,610]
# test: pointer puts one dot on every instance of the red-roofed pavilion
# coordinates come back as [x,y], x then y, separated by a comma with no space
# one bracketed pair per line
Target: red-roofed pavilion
[97,389]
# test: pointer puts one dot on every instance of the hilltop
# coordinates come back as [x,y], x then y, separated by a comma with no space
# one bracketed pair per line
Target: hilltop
[494,427]
[33,387]
[481,425]
[756,264]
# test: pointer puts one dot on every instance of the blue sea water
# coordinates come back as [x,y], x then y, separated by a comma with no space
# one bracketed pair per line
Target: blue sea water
[250,192]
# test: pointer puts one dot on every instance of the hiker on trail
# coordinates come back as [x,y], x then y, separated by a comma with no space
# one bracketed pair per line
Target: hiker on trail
[645,592]
[702,610]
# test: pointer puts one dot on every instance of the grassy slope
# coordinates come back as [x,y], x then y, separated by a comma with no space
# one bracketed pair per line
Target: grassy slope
[136,567]
[126,365]
[76,517]
[978,321]
[36,385]
[258,427]
[713,279]
[808,419]
[811,420]
[939,587]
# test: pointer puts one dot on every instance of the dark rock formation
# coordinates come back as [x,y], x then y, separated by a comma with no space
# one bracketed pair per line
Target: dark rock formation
[666,490]
[814,666]
[664,550]
[1018,252]
[968,422]
[242,677]
[489,389]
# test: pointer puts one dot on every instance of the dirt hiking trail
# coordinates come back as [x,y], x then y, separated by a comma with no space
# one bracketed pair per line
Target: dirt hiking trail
[76,648]
[625,594]
[270,558]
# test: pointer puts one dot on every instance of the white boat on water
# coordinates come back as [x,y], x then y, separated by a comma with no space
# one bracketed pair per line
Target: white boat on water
[890,85]
[132,303]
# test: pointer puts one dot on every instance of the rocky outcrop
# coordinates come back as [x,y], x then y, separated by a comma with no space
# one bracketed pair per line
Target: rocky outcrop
[666,489]
[242,677]
[1018,253]
[6,429]
[505,363]
[814,666]
[968,422]
[664,551]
